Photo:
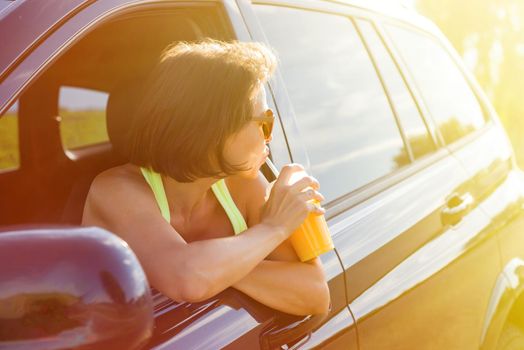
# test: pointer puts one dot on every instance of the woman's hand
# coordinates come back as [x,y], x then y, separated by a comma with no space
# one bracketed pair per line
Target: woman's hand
[288,205]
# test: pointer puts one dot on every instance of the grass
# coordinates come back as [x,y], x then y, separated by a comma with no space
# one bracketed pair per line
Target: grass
[77,129]
[9,154]
[82,128]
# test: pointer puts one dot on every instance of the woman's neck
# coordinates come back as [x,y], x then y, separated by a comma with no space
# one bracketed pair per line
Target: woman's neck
[186,198]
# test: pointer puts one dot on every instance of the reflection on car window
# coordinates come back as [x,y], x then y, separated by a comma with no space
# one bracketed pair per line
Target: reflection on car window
[407,112]
[444,88]
[9,149]
[342,112]
[5,4]
[82,117]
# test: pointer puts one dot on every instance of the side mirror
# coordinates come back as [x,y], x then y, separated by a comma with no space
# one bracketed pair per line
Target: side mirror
[71,288]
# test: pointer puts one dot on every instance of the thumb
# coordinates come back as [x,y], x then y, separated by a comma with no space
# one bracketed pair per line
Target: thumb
[269,188]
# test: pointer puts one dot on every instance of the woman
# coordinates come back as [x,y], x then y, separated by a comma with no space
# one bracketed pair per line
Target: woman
[193,184]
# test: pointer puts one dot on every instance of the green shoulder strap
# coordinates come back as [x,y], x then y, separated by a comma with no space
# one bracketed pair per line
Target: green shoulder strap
[224,197]
[155,182]
[219,189]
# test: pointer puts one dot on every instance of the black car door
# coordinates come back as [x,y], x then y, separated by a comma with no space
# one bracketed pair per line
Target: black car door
[406,227]
[429,281]
[338,329]
[72,60]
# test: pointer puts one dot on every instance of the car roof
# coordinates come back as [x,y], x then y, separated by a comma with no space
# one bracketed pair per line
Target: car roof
[17,17]
[390,9]
[27,22]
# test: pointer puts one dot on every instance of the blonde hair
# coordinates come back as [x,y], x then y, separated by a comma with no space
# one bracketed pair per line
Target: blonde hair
[198,95]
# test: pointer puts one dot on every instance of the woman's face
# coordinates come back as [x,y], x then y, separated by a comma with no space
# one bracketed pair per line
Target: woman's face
[248,146]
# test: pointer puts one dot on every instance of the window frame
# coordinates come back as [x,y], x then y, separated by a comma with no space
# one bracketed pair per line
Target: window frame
[76,27]
[385,89]
[42,57]
[299,153]
[18,165]
[394,60]
[444,44]
[297,149]
[71,151]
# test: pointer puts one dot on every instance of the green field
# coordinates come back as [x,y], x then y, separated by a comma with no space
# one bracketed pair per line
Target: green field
[77,129]
[82,128]
[9,155]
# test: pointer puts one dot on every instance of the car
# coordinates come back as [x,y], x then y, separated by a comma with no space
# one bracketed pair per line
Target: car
[424,199]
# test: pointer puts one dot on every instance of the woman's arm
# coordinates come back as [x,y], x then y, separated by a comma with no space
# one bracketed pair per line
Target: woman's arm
[185,271]
[293,287]
[282,282]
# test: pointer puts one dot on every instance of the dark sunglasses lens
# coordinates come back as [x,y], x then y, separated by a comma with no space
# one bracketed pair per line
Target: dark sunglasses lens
[267,127]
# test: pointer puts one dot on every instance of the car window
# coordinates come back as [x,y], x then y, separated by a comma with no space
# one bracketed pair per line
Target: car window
[82,117]
[4,4]
[9,149]
[447,94]
[413,126]
[343,115]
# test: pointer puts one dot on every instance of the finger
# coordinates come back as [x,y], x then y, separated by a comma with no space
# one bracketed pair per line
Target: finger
[287,171]
[306,181]
[310,194]
[269,189]
[315,209]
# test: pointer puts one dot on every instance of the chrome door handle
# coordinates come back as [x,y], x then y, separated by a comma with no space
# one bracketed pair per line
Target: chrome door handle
[456,208]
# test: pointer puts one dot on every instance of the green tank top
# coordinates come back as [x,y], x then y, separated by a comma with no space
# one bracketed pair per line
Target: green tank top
[219,189]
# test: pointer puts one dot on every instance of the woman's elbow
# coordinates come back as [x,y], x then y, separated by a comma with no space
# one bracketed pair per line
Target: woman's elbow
[323,300]
[196,288]
[186,287]
[194,294]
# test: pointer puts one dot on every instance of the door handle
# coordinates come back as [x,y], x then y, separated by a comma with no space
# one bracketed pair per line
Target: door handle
[457,206]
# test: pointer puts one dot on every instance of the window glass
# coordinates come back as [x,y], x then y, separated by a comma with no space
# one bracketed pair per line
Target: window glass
[407,112]
[342,112]
[9,149]
[82,117]
[448,96]
[5,4]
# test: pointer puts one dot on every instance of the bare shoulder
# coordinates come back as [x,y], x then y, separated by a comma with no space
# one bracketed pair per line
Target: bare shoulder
[126,174]
[123,178]
[121,202]
[250,194]
[112,190]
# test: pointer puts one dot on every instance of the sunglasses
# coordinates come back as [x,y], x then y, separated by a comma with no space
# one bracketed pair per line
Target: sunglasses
[267,120]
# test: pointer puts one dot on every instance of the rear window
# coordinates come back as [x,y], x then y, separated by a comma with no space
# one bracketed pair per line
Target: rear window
[449,98]
[342,111]
[413,125]
[82,115]
[9,149]
[5,4]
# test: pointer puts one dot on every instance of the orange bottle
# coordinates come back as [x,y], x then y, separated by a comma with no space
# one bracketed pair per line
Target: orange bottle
[312,238]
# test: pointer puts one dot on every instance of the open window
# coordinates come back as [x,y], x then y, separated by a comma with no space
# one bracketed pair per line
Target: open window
[61,116]
[65,117]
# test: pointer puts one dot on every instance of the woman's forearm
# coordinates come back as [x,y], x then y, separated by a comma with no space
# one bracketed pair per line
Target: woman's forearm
[292,287]
[216,264]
